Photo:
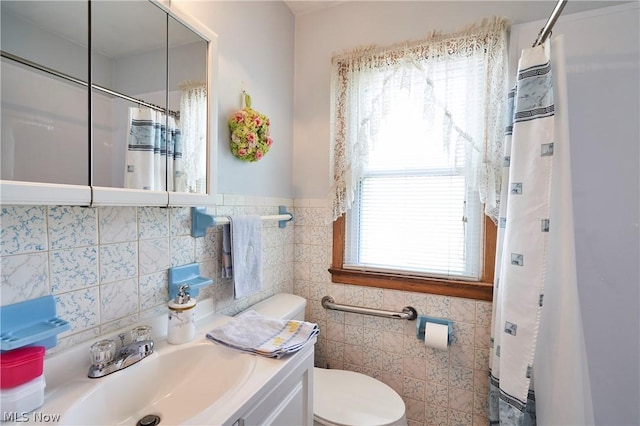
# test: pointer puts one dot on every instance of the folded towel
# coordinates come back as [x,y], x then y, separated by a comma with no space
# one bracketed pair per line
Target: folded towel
[246,254]
[271,337]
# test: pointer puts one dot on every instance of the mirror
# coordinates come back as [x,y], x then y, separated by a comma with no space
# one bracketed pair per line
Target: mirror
[149,106]
[44,115]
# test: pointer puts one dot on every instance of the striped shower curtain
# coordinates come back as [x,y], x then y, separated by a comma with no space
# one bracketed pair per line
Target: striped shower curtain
[537,327]
[147,147]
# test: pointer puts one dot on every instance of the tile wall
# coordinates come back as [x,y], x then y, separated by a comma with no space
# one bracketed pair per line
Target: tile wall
[438,387]
[108,266]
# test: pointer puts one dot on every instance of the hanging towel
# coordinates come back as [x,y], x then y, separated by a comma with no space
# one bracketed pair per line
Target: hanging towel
[266,336]
[227,266]
[246,254]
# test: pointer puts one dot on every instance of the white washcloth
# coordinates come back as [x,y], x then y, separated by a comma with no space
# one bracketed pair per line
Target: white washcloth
[246,254]
[271,337]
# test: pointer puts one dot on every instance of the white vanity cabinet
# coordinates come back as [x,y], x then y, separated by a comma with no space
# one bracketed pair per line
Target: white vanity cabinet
[288,400]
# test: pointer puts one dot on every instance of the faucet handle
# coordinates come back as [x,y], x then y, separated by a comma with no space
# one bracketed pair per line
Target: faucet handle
[141,332]
[102,352]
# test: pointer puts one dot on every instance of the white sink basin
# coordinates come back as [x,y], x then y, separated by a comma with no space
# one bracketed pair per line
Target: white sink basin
[174,383]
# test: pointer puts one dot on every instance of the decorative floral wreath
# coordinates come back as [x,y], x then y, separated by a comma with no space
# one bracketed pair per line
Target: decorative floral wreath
[250,140]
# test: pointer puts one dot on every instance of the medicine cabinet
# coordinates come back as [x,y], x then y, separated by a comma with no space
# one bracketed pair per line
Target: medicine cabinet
[106,103]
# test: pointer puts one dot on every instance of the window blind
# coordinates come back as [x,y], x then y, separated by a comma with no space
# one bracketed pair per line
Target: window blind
[421,223]
[414,212]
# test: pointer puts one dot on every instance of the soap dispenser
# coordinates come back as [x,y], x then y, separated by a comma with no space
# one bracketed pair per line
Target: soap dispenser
[182,323]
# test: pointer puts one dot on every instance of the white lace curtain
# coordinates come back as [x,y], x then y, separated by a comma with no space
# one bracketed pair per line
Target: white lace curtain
[363,79]
[193,119]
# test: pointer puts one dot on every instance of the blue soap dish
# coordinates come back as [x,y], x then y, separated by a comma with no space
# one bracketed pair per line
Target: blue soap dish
[30,323]
[189,275]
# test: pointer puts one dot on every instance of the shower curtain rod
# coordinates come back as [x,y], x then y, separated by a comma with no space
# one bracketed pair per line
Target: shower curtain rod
[72,79]
[546,30]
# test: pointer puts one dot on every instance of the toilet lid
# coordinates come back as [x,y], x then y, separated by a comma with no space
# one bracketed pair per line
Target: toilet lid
[347,398]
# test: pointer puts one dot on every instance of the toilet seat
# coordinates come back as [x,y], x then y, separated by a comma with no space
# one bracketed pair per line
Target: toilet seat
[346,398]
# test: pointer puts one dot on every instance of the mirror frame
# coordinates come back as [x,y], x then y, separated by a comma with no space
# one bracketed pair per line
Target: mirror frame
[36,193]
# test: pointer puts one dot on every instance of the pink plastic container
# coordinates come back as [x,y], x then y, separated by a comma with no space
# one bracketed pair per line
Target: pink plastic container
[20,366]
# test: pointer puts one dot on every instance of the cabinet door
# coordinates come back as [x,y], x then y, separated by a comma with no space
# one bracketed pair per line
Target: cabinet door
[45,121]
[129,100]
[102,126]
[290,411]
[290,402]
[192,76]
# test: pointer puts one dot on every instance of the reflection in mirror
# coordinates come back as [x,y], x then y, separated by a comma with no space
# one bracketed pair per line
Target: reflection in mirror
[44,92]
[148,100]
[187,93]
[129,46]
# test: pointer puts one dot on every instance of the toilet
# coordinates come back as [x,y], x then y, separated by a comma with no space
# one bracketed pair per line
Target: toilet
[340,397]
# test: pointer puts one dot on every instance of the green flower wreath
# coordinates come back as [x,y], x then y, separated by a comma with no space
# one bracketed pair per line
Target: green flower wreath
[250,140]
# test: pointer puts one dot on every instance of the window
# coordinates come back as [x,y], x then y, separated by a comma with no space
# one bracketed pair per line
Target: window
[412,166]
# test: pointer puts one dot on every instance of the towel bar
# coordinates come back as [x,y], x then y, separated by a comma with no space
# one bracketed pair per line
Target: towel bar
[201,220]
[408,312]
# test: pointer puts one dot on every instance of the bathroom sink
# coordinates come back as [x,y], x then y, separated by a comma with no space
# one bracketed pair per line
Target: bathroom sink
[174,383]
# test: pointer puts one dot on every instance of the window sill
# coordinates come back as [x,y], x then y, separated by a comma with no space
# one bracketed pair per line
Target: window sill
[466,289]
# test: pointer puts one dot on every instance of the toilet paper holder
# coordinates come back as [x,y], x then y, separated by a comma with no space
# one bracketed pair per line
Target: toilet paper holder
[424,319]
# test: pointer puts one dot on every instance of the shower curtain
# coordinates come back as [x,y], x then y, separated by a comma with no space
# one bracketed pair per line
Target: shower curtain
[147,164]
[537,326]
[175,169]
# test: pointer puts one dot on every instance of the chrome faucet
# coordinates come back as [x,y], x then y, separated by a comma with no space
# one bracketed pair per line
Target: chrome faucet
[106,360]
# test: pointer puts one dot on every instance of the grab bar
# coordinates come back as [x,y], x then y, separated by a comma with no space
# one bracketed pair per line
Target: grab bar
[408,312]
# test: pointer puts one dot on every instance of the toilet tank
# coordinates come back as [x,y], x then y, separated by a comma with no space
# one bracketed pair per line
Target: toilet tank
[283,305]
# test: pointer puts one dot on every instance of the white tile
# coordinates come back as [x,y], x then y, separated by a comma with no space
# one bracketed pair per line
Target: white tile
[180,221]
[81,308]
[154,255]
[252,200]
[23,277]
[117,325]
[463,309]
[67,341]
[182,251]
[301,202]
[118,300]
[153,290]
[117,224]
[118,261]
[319,202]
[206,247]
[153,222]
[234,200]
[23,229]
[73,269]
[72,226]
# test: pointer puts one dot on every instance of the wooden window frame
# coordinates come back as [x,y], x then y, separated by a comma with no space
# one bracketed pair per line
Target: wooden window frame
[479,290]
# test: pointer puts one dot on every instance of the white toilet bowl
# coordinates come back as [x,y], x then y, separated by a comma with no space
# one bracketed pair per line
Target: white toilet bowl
[343,397]
[340,397]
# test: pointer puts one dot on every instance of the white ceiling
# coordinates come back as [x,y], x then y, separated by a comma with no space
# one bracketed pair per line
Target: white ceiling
[302,7]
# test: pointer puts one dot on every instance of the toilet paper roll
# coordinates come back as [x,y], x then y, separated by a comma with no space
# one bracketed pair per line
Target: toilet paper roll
[436,335]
